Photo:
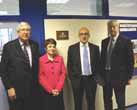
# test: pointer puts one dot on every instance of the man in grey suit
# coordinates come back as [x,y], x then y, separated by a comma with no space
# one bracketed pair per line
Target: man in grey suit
[83,66]
[19,68]
[117,66]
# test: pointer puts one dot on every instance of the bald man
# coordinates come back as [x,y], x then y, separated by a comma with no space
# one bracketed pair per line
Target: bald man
[83,66]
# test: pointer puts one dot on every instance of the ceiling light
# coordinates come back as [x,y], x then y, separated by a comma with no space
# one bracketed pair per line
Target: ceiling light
[57,1]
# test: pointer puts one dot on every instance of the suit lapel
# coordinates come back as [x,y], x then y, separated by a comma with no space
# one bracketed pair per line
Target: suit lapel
[19,50]
[91,54]
[77,53]
[32,51]
[117,44]
[106,44]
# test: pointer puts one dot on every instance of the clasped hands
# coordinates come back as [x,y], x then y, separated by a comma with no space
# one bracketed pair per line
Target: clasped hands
[55,92]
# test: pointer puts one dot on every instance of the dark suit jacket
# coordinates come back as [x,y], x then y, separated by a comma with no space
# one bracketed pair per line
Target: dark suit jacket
[74,62]
[16,71]
[121,60]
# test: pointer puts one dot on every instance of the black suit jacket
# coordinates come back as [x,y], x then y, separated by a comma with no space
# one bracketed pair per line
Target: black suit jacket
[16,71]
[121,60]
[74,62]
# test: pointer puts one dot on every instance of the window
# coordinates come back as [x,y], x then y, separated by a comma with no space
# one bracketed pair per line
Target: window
[74,7]
[7,33]
[123,8]
[9,7]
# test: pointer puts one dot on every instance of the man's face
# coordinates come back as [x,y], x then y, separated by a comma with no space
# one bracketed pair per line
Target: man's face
[113,29]
[24,33]
[84,35]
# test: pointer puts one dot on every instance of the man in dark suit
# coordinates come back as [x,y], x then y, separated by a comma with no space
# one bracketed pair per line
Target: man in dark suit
[19,66]
[83,65]
[117,66]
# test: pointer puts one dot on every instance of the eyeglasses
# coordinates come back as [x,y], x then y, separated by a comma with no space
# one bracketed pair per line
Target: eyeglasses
[84,34]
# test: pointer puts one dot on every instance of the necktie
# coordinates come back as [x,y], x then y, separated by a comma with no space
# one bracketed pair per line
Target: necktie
[109,52]
[26,53]
[86,66]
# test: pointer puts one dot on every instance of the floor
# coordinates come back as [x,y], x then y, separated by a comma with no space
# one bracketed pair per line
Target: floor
[132,108]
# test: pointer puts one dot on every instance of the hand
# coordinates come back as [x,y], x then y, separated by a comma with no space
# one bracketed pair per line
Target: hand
[12,93]
[55,92]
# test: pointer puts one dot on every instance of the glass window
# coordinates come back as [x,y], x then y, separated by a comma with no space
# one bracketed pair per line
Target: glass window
[7,33]
[9,7]
[123,8]
[74,7]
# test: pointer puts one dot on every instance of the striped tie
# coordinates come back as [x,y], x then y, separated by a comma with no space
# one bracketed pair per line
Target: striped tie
[26,53]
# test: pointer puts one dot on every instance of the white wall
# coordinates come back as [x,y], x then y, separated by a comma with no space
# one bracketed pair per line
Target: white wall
[98,31]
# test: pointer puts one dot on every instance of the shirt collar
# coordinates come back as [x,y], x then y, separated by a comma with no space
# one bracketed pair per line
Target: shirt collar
[22,43]
[55,59]
[115,37]
[81,44]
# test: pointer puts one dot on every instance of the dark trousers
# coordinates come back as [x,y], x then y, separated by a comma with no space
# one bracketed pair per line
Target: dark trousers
[30,102]
[119,90]
[51,102]
[21,104]
[87,85]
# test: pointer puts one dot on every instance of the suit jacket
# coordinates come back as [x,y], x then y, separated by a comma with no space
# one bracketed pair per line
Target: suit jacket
[52,73]
[15,69]
[121,60]
[74,62]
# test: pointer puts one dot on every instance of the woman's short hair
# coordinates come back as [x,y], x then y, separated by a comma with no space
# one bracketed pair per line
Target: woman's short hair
[49,41]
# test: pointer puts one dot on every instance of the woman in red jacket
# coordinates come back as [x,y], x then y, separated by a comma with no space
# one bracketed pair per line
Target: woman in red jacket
[52,73]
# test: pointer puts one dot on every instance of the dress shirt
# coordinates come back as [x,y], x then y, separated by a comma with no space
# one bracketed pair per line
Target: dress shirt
[81,57]
[28,50]
[52,73]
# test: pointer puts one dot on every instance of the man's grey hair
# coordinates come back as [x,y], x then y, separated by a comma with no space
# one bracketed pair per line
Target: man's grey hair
[21,24]
[113,21]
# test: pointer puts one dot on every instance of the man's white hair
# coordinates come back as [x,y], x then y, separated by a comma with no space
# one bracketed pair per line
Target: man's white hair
[113,21]
[22,24]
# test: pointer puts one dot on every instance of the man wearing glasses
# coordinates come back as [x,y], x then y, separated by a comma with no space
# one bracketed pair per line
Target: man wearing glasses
[83,65]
